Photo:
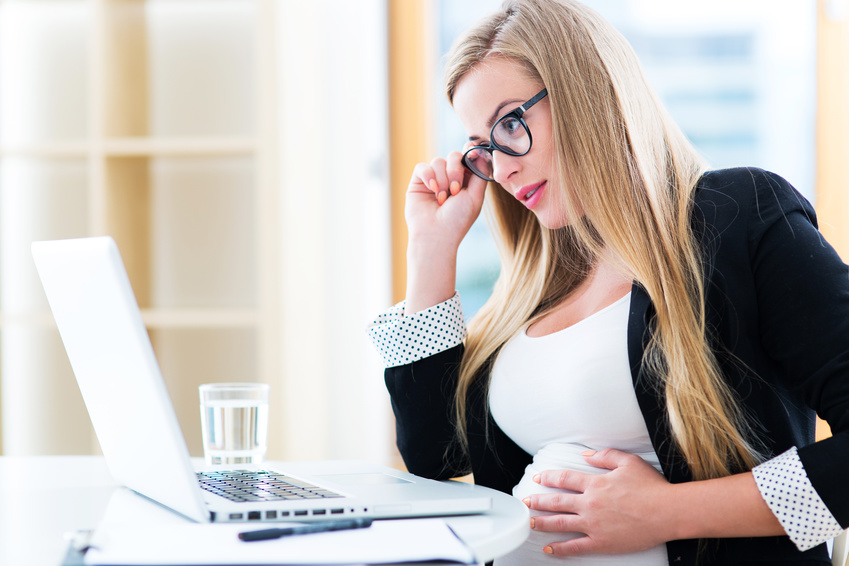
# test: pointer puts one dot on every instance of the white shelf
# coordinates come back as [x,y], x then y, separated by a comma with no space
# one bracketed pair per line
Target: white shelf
[205,147]
[156,319]
[134,146]
[200,318]
[39,320]
[47,150]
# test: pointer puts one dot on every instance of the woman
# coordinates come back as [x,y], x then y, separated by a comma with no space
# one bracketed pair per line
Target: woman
[646,372]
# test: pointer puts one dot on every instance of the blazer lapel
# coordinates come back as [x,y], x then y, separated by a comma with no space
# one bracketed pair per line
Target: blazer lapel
[650,396]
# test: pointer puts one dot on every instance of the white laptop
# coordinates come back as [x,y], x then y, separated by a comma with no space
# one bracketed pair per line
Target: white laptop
[113,360]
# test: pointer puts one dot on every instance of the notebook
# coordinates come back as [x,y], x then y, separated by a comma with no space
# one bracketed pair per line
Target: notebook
[120,380]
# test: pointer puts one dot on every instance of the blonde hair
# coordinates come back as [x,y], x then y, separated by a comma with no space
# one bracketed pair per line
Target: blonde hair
[634,174]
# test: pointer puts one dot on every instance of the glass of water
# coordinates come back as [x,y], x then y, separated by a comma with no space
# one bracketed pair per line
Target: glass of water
[234,420]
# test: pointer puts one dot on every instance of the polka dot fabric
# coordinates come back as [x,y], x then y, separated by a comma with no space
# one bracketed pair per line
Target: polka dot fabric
[789,494]
[402,339]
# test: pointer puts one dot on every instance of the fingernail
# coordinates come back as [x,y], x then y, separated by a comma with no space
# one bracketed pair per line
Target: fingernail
[547,550]
[532,522]
[588,452]
[441,197]
[434,186]
[537,479]
[527,501]
[455,187]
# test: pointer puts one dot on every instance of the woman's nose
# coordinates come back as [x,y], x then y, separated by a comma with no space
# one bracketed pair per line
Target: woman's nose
[503,166]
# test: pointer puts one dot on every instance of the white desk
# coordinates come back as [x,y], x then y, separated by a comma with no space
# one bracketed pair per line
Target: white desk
[44,497]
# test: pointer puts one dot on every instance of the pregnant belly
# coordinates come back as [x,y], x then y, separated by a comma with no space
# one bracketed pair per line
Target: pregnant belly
[568,457]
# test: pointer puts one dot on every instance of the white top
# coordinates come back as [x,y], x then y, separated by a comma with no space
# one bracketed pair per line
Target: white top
[571,387]
[563,393]
[783,482]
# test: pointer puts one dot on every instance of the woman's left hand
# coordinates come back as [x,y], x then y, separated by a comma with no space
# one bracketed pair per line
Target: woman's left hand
[624,510]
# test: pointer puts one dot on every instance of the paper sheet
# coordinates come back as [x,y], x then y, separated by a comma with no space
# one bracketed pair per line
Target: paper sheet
[382,543]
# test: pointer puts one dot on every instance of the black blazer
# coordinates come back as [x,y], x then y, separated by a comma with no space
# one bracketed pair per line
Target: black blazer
[778,318]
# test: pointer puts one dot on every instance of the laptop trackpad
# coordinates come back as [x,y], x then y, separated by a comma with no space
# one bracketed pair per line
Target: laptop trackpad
[363,479]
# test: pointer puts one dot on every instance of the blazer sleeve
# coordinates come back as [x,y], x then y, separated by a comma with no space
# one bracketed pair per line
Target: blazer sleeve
[422,395]
[422,353]
[802,287]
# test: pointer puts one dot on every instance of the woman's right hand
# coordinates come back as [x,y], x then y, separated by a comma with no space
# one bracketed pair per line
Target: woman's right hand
[443,201]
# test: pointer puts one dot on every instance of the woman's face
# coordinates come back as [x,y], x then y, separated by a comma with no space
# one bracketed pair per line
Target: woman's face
[490,90]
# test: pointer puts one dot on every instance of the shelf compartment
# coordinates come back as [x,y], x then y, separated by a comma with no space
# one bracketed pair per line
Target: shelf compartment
[40,199]
[44,70]
[203,236]
[41,396]
[189,358]
[179,68]
[186,229]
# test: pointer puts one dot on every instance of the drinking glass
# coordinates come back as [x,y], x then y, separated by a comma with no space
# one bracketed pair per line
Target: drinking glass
[234,421]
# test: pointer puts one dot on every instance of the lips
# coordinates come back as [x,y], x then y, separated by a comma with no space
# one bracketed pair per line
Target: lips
[529,195]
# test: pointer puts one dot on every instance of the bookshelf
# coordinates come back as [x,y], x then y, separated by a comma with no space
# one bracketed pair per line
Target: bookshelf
[161,138]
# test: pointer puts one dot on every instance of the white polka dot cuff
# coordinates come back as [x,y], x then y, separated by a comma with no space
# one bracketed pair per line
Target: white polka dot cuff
[402,339]
[788,492]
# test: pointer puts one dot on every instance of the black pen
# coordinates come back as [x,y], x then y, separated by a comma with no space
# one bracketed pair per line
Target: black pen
[324,526]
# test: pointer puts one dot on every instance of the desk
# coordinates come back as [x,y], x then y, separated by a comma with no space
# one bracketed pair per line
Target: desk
[44,497]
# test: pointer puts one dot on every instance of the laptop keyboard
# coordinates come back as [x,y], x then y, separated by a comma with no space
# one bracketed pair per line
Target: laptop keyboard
[247,485]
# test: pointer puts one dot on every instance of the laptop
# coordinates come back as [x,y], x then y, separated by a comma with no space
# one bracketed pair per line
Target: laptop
[113,361]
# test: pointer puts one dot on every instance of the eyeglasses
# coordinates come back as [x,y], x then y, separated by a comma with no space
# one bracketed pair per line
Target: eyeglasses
[510,135]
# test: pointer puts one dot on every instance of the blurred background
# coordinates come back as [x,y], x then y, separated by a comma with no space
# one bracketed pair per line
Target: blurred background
[250,158]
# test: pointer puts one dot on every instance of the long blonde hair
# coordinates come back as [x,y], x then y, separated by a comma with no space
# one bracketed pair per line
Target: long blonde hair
[633,174]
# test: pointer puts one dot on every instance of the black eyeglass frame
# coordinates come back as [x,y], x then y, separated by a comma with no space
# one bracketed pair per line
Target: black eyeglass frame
[493,145]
